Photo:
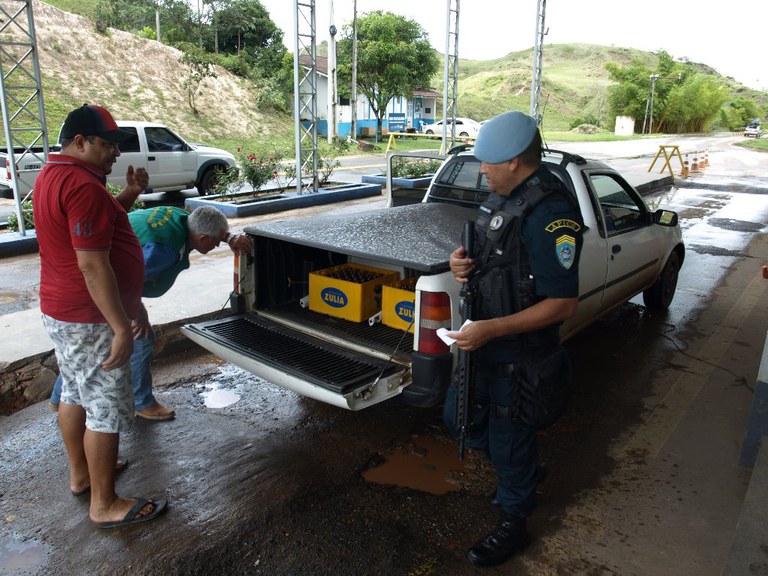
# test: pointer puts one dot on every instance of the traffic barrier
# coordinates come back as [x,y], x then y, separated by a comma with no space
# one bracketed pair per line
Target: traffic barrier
[669,152]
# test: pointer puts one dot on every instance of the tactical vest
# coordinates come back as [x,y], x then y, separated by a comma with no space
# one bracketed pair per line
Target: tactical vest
[505,284]
[163,225]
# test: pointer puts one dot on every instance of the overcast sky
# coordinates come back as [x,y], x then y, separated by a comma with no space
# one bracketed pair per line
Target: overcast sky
[728,36]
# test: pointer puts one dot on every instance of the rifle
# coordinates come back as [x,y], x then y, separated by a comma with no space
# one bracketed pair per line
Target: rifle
[466,364]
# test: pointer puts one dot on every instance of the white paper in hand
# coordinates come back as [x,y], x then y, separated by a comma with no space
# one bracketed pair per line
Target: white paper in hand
[445,335]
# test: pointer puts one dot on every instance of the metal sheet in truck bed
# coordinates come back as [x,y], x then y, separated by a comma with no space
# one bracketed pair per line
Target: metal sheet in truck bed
[419,236]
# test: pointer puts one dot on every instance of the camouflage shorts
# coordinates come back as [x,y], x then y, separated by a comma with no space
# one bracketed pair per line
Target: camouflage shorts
[106,396]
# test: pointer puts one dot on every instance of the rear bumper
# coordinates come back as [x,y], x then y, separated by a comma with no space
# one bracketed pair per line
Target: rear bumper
[430,376]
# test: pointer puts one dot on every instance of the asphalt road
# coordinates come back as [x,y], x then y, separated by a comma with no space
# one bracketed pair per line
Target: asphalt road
[643,466]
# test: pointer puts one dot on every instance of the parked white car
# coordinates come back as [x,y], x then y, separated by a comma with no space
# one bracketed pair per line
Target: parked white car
[464,127]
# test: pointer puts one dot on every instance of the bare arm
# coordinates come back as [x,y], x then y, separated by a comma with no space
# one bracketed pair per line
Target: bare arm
[102,286]
[545,313]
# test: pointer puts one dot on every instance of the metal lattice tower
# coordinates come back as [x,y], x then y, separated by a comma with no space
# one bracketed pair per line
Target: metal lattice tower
[21,95]
[538,56]
[305,94]
[451,71]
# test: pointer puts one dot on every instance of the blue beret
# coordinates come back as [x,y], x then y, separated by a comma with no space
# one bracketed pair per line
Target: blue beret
[504,137]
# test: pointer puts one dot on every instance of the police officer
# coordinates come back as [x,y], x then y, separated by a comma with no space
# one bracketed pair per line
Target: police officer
[526,273]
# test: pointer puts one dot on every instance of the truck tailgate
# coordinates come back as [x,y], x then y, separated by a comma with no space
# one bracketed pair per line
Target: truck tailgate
[301,362]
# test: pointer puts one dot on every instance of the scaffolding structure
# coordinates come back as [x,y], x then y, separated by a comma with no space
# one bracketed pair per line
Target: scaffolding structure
[305,95]
[450,73]
[21,96]
[538,58]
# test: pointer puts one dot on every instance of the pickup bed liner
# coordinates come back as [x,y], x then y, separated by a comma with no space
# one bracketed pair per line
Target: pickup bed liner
[420,237]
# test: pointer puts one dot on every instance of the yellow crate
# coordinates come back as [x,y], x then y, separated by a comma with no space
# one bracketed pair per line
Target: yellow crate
[397,304]
[349,299]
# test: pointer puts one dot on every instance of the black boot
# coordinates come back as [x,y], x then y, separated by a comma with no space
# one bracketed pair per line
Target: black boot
[507,538]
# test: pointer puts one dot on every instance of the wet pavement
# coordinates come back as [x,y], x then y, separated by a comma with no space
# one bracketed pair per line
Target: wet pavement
[643,476]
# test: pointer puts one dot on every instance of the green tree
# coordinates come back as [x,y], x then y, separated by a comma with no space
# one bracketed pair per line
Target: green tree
[243,27]
[199,66]
[176,20]
[684,100]
[394,58]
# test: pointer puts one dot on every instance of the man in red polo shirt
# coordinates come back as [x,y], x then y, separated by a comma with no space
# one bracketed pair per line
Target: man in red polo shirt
[92,271]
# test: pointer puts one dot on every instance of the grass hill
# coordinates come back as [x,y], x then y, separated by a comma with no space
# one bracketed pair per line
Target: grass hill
[141,79]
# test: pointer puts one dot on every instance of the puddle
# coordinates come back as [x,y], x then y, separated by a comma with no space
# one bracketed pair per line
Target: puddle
[17,557]
[422,464]
[216,398]
[218,393]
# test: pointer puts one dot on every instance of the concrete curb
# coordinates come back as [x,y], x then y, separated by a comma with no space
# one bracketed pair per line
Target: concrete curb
[286,200]
[14,244]
[757,428]
[749,551]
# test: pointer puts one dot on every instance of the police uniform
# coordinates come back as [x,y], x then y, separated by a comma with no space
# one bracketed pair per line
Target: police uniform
[528,248]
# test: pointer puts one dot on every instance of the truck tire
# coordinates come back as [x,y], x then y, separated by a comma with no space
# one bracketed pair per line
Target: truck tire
[660,295]
[208,179]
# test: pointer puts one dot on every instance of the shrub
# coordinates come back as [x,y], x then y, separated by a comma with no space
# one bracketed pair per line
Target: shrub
[258,168]
[413,168]
[26,213]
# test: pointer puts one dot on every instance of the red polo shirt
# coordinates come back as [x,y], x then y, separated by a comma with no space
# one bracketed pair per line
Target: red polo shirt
[74,211]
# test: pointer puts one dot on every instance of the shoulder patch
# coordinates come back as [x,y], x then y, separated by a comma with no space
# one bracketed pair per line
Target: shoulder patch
[565,248]
[563,223]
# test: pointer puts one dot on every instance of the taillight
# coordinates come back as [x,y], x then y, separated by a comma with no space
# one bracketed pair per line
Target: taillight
[434,313]
[8,170]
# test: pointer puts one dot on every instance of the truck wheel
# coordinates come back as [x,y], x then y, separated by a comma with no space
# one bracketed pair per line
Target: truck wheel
[209,179]
[660,295]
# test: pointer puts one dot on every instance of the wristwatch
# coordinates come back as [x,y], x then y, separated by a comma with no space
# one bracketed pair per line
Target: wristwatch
[229,237]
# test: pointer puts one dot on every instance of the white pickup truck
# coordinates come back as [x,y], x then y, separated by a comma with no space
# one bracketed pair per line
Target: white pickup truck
[173,164]
[271,332]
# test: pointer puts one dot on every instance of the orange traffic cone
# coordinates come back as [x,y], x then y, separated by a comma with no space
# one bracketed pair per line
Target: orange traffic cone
[695,162]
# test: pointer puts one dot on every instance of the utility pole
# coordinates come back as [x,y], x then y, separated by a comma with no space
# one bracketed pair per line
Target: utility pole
[538,56]
[332,92]
[353,101]
[648,120]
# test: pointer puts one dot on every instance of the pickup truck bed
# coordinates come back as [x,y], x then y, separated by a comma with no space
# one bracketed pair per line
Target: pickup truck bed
[413,239]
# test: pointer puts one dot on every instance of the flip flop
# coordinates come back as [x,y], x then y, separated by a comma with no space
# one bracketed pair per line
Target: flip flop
[168,416]
[119,467]
[160,506]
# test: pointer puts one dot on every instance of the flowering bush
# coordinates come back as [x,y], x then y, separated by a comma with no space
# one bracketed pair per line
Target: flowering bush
[258,168]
